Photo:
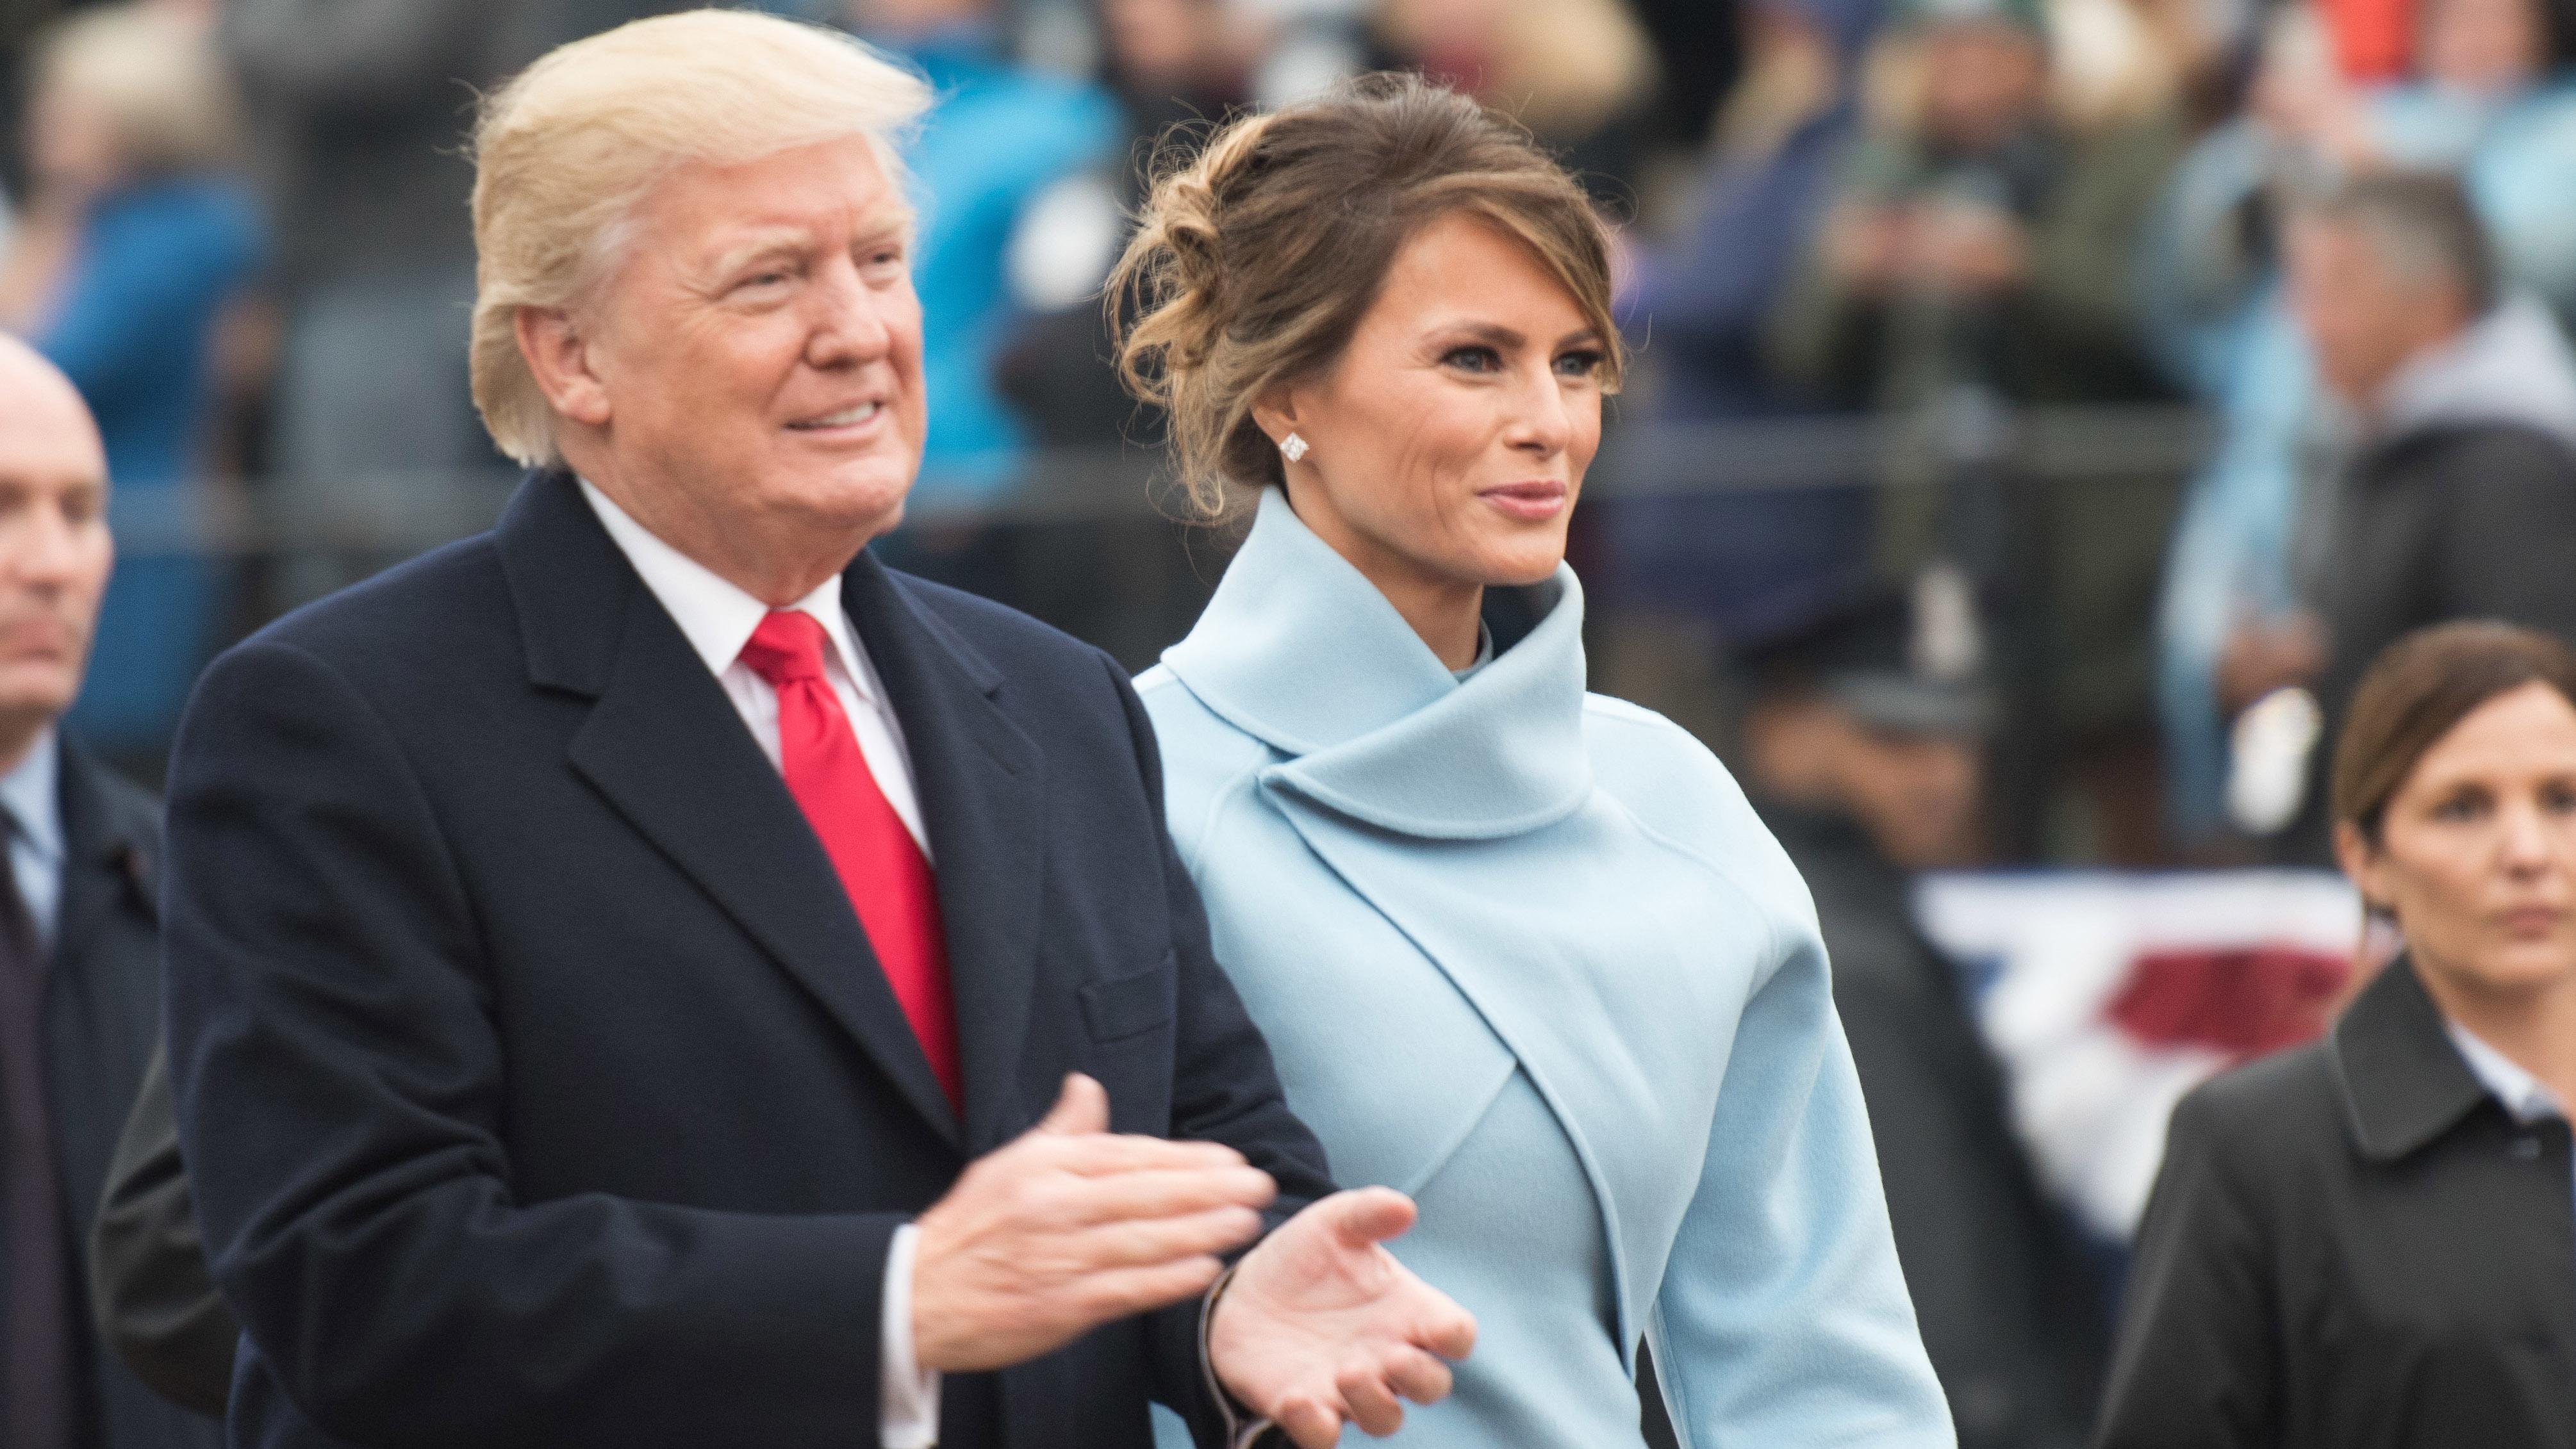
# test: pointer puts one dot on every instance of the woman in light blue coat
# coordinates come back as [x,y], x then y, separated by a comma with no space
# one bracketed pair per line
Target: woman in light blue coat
[1521,951]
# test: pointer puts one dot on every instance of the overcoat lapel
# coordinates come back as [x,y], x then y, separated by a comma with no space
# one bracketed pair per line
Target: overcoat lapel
[664,745]
[103,857]
[981,783]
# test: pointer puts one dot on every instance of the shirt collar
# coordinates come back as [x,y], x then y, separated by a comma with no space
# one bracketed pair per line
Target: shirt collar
[32,797]
[714,614]
[2521,1094]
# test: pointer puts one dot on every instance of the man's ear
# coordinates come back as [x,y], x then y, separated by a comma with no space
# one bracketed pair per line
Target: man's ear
[559,358]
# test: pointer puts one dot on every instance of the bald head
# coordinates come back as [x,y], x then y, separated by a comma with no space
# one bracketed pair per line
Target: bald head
[54,548]
[43,422]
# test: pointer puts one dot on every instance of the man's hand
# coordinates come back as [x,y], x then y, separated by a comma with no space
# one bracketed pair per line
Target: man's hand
[1070,1227]
[1322,1326]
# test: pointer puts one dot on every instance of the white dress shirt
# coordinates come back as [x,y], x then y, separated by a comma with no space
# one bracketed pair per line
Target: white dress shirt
[31,797]
[717,619]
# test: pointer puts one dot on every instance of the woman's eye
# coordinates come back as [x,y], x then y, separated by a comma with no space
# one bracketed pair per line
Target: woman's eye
[1474,359]
[2558,799]
[2460,807]
[1579,364]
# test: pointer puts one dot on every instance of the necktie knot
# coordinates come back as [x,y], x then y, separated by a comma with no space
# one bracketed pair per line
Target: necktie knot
[786,648]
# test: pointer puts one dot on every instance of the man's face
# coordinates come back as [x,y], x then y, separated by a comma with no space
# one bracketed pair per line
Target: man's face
[2364,319]
[1983,82]
[54,547]
[758,354]
[1917,795]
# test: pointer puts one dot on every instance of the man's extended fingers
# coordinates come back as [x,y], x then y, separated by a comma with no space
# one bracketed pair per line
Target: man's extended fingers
[1372,1404]
[1164,1193]
[1418,1376]
[1083,1106]
[1310,1424]
[1101,1153]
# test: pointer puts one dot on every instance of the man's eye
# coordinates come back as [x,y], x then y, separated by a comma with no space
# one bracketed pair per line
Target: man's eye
[1473,359]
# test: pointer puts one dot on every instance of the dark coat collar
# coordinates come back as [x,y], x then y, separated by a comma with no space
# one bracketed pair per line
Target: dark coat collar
[663,743]
[2402,1082]
[109,842]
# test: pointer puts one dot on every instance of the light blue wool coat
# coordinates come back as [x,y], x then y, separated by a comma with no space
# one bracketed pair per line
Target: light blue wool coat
[1526,954]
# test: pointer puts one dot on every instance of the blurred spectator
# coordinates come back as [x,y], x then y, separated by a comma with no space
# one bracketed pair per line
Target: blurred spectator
[2461,502]
[80,947]
[1130,585]
[135,240]
[1978,259]
[1786,128]
[358,113]
[2489,101]
[1979,241]
[1168,63]
[1868,767]
[1578,73]
[1746,564]
[1000,136]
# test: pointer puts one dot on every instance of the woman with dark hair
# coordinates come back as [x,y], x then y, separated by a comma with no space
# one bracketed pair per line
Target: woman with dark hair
[1522,951]
[2370,1243]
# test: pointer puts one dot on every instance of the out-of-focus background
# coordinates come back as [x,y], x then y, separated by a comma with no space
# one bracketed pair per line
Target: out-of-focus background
[1993,493]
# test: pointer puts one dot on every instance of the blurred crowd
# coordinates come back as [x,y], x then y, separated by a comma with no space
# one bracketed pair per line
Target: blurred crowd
[2338,235]
[2335,240]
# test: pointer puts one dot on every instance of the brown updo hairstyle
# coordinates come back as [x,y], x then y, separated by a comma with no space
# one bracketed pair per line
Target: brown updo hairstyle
[2417,690]
[1258,254]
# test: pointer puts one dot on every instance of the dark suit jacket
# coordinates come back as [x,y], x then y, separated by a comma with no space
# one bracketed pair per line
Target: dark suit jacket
[102,1011]
[2353,1246]
[537,1084]
[155,1303]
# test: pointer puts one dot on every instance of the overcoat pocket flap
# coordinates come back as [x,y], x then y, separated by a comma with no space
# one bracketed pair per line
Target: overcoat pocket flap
[1124,1006]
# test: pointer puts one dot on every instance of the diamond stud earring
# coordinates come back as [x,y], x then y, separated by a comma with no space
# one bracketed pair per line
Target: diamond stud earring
[1292,447]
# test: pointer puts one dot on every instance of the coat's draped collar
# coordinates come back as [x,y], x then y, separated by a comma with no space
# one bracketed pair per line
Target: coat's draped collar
[1301,651]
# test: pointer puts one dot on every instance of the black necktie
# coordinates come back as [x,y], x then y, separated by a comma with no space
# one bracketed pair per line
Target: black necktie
[35,1319]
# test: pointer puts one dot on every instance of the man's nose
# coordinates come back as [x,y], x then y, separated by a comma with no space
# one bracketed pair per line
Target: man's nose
[849,323]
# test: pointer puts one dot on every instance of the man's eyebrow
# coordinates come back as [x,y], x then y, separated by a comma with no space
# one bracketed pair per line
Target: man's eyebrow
[754,245]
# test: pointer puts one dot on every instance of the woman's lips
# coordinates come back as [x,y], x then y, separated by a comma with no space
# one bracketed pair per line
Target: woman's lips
[1534,501]
[2532,921]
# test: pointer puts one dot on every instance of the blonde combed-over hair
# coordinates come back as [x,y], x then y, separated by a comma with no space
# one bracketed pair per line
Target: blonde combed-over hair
[1257,255]
[566,152]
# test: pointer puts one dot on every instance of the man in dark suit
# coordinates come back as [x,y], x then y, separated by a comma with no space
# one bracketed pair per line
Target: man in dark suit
[80,939]
[621,966]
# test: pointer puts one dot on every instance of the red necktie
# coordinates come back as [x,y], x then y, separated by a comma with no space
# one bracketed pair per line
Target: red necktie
[880,865]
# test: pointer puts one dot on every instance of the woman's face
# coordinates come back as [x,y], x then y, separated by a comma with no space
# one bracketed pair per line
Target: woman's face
[2477,851]
[1448,443]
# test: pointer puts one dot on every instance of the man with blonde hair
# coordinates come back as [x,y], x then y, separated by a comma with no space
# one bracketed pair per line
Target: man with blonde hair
[650,975]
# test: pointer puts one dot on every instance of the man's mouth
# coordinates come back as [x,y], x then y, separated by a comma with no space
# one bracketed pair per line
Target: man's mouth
[848,417]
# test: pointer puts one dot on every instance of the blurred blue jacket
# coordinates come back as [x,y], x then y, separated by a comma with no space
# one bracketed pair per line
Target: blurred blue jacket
[1526,954]
[133,326]
[998,136]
